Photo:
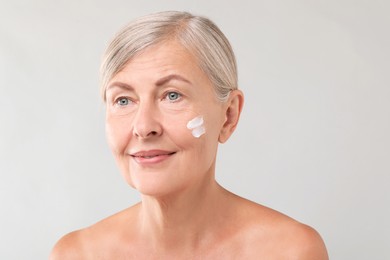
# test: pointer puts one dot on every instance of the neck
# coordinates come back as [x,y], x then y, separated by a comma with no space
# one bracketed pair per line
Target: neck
[185,220]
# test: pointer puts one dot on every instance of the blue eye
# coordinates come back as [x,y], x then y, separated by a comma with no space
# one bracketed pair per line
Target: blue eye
[122,101]
[173,96]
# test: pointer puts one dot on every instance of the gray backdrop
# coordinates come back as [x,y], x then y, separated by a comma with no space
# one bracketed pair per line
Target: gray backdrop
[313,141]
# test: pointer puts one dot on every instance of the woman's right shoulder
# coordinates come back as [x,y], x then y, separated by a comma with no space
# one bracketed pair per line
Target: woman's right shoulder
[70,246]
[82,243]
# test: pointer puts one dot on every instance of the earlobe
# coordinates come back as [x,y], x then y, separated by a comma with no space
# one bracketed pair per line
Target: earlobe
[232,115]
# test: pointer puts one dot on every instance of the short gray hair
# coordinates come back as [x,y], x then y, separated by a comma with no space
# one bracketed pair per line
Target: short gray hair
[199,35]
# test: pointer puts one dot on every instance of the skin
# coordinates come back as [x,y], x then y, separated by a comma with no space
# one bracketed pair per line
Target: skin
[184,213]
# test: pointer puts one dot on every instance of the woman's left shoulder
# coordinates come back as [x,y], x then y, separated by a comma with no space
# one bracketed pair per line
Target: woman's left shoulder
[282,235]
[304,242]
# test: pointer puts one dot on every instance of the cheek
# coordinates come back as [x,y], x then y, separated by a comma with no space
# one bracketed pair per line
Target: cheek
[175,129]
[190,134]
[118,134]
[196,126]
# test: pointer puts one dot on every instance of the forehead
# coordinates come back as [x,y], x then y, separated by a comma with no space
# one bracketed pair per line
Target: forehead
[161,63]
[169,55]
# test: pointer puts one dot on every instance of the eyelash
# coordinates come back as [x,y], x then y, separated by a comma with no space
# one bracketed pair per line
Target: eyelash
[116,101]
[165,97]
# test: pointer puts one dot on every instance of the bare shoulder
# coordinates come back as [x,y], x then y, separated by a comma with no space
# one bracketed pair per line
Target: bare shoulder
[96,241]
[69,246]
[276,234]
[304,242]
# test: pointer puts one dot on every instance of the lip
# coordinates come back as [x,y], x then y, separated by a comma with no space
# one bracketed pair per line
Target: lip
[151,156]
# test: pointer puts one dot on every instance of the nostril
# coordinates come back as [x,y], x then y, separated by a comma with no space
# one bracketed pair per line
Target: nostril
[153,133]
[146,134]
[145,129]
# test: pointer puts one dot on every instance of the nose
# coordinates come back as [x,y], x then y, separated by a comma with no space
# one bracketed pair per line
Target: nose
[146,122]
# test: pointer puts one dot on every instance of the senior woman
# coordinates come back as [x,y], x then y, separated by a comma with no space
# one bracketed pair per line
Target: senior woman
[169,81]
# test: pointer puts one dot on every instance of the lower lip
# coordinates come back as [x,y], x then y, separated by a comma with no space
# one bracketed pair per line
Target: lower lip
[152,160]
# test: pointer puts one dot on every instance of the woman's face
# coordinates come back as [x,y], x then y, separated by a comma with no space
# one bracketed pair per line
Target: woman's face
[149,104]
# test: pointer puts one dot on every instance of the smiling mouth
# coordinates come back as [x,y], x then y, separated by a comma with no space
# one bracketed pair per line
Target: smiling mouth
[151,156]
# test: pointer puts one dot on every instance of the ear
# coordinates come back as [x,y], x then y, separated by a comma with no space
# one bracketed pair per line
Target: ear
[232,111]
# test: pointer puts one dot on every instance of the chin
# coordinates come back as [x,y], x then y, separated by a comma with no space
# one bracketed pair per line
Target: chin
[156,189]
[154,183]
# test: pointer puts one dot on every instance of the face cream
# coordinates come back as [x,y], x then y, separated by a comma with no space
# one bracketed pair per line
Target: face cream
[197,127]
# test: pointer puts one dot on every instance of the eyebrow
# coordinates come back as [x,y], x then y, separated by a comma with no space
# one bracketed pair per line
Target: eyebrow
[120,85]
[158,83]
[171,77]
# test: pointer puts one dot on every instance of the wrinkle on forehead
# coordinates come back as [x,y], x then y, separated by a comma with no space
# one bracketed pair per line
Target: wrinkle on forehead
[162,60]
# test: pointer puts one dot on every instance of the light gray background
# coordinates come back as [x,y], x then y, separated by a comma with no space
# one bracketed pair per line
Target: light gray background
[313,141]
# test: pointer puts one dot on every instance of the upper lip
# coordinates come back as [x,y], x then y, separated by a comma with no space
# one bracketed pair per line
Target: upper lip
[151,153]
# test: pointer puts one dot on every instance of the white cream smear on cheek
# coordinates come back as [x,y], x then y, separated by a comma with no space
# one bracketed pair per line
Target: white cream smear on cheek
[196,126]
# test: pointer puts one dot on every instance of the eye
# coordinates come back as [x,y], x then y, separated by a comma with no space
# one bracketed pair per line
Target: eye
[122,101]
[173,96]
